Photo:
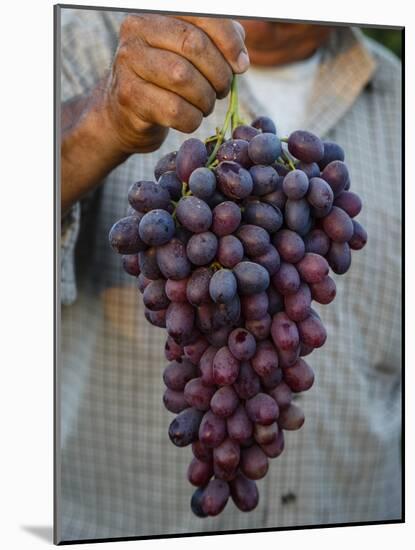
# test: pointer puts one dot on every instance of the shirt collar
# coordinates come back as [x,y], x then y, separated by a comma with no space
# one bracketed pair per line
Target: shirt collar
[345,68]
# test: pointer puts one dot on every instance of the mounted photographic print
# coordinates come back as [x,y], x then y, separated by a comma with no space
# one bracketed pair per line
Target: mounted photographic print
[229,286]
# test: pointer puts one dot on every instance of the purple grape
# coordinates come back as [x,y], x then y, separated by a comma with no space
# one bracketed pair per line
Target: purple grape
[324,291]
[265,124]
[241,344]
[185,427]
[275,301]
[254,306]
[295,184]
[244,132]
[336,175]
[227,456]
[260,328]
[219,337]
[247,384]
[176,290]
[222,286]
[255,239]
[191,155]
[317,242]
[212,430]
[142,282]
[290,245]
[206,366]
[320,195]
[149,264]
[197,291]
[338,225]
[264,148]
[154,295]
[124,236]
[198,395]
[310,169]
[339,257]
[288,358]
[172,351]
[230,251]
[244,493]
[272,379]
[359,237]
[275,448]
[199,473]
[270,260]
[227,314]
[215,496]
[349,202]
[251,278]
[215,199]
[277,198]
[312,332]
[194,351]
[172,184]
[201,248]
[297,306]
[201,452]
[179,321]
[286,280]
[291,418]
[312,268]
[265,179]
[224,402]
[282,395]
[130,264]
[239,426]
[196,503]
[172,260]
[226,218]
[263,215]
[156,227]
[284,332]
[167,163]
[299,377]
[174,401]
[233,181]
[332,151]
[147,195]
[297,216]
[194,214]
[265,359]
[202,183]
[254,462]
[225,367]
[234,150]
[305,146]
[264,435]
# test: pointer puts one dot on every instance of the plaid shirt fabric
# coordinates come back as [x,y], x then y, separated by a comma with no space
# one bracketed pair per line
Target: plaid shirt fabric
[119,473]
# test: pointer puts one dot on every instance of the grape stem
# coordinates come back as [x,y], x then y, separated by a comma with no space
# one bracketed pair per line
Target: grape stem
[232,117]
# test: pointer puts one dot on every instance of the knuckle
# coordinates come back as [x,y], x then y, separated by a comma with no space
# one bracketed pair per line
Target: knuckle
[123,92]
[122,54]
[180,73]
[194,42]
[126,25]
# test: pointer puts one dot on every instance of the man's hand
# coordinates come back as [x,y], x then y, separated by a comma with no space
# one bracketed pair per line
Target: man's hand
[167,73]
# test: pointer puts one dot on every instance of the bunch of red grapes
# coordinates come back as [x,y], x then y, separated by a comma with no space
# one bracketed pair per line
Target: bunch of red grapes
[230,245]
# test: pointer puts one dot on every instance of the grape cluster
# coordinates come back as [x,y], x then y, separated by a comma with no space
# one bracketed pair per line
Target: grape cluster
[230,245]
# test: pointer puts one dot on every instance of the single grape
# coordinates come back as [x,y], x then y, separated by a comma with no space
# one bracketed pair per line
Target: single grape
[201,248]
[194,214]
[264,148]
[201,452]
[265,124]
[312,332]
[254,306]
[147,195]
[263,215]
[272,379]
[299,377]
[197,290]
[288,357]
[234,150]
[359,237]
[349,202]
[297,216]
[212,430]
[265,359]
[320,195]
[275,301]
[172,184]
[222,286]
[191,155]
[332,151]
[275,448]
[295,184]
[247,384]
[262,409]
[227,314]
[255,239]
[239,426]
[198,395]
[324,291]
[251,278]
[227,456]
[176,290]
[142,282]
[215,496]
[172,351]
[310,169]
[264,435]
[196,503]
[224,402]
[244,132]
[259,328]
[156,227]
[254,462]
[270,259]
[305,146]
[199,473]
[286,280]
[297,306]
[284,332]
[338,225]
[215,199]
[219,337]
[174,401]
[282,395]
[179,321]
[148,263]
[225,367]
[336,175]
[244,493]
[124,236]
[185,427]
[130,264]
[265,179]
[241,344]
[167,163]
[230,251]
[317,242]
[202,183]
[226,218]
[276,198]
[312,268]
[206,366]
[154,295]
[172,260]
[233,181]
[194,351]
[339,257]
[290,245]
[291,418]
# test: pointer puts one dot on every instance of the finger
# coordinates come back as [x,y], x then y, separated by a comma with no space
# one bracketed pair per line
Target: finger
[184,39]
[174,73]
[152,104]
[228,36]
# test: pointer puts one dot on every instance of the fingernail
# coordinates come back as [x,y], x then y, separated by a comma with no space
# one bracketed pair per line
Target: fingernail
[243,61]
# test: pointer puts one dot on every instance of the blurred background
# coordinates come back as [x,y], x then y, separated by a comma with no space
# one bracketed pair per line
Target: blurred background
[391,38]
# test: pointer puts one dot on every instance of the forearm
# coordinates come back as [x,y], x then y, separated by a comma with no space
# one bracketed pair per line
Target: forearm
[89,147]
